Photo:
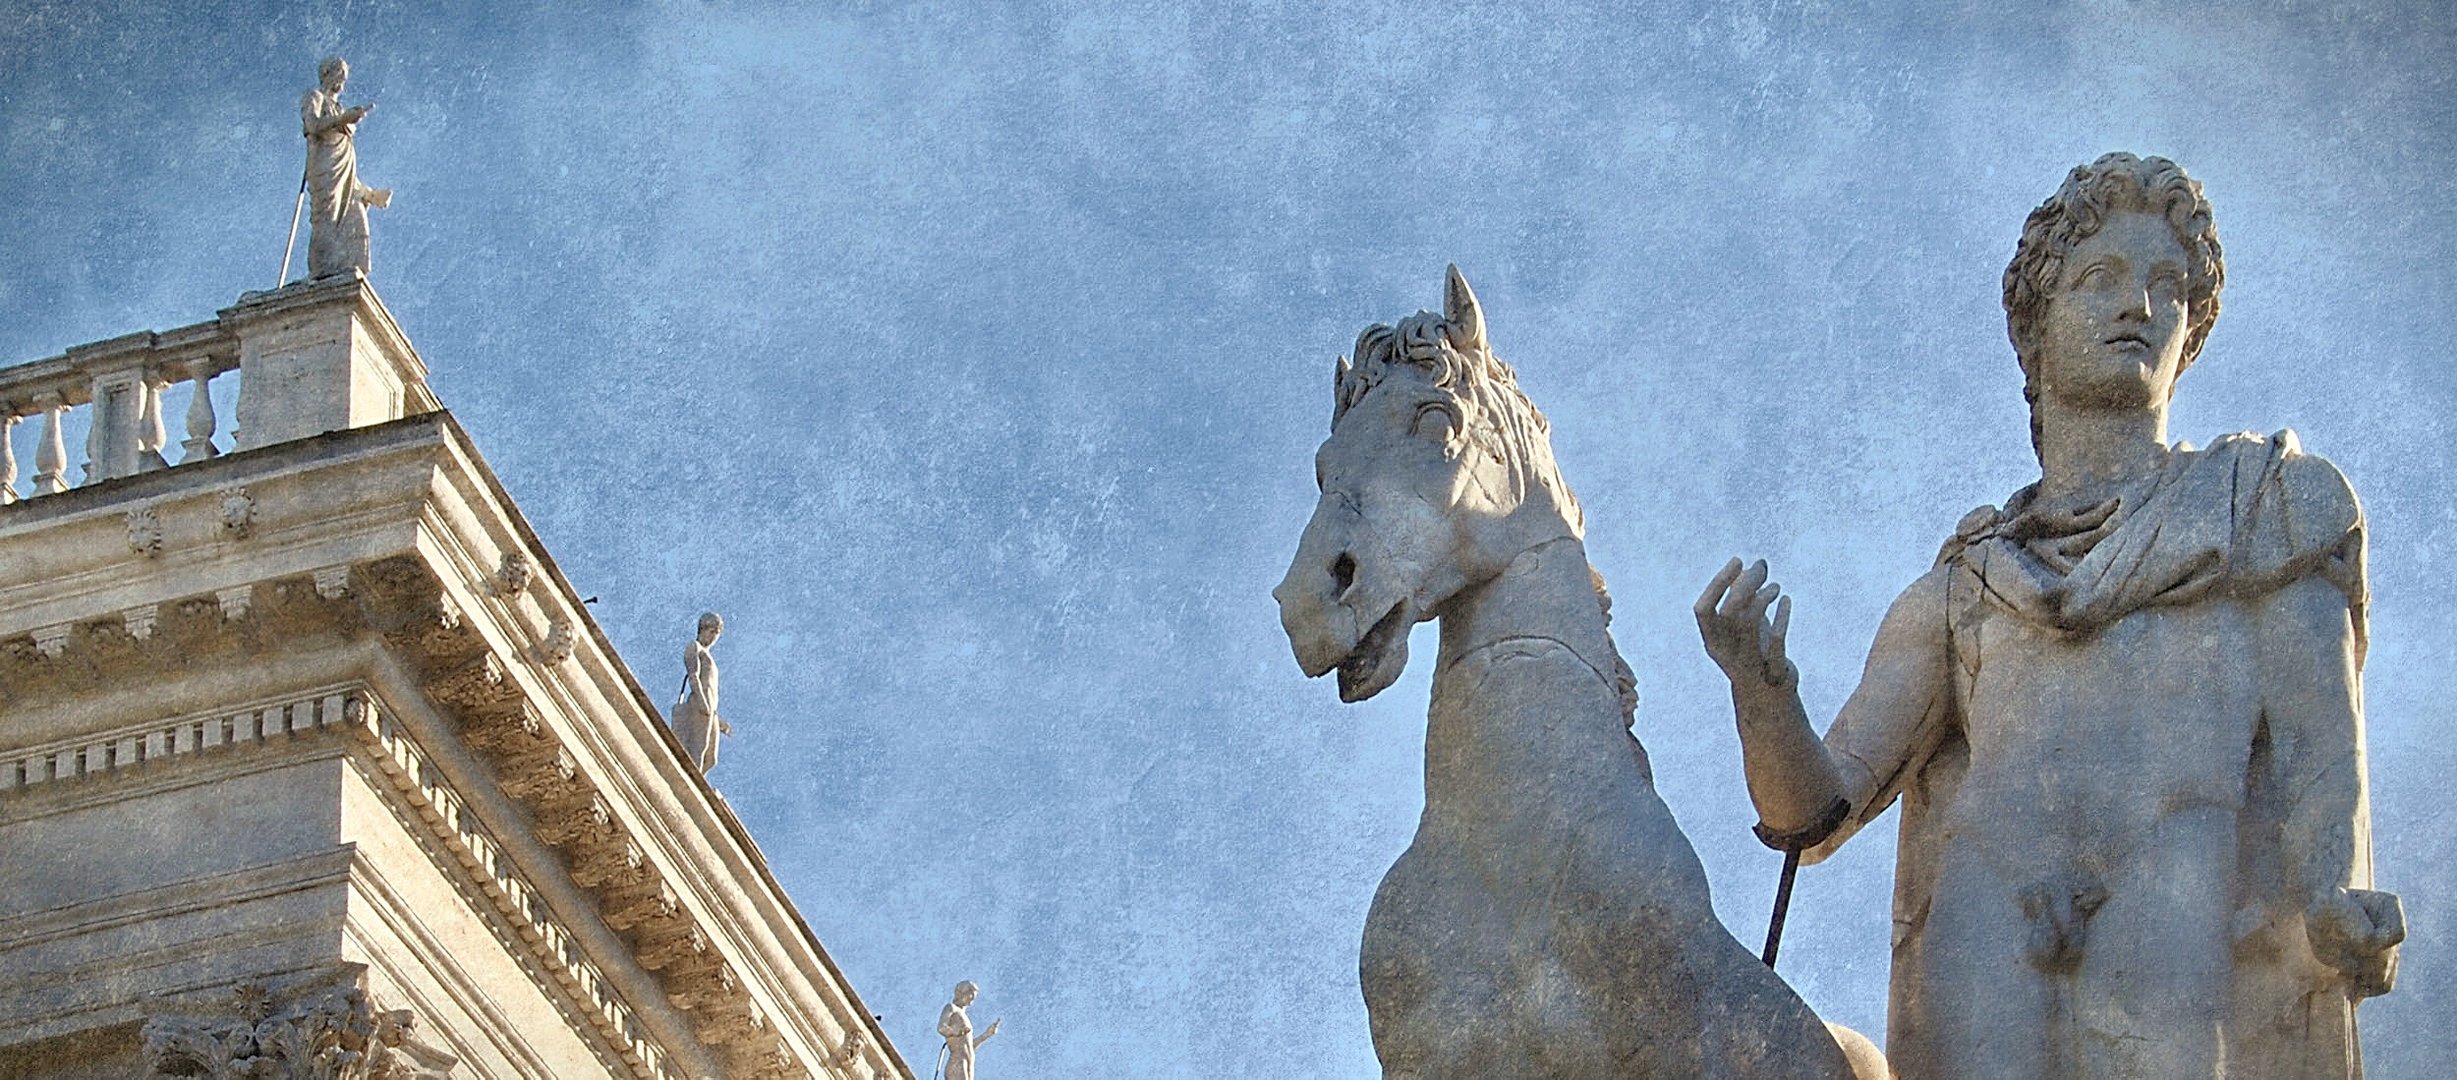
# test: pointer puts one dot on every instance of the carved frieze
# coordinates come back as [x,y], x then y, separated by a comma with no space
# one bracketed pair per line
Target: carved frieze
[561,639]
[513,573]
[333,582]
[333,1034]
[238,513]
[475,684]
[486,706]
[140,620]
[144,531]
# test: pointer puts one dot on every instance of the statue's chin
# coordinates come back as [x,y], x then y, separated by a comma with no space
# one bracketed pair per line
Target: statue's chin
[1378,658]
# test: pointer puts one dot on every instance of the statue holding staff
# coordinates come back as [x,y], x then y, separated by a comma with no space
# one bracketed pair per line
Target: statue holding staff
[2124,713]
[337,203]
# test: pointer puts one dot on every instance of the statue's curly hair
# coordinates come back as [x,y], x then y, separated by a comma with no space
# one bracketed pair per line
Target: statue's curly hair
[2113,184]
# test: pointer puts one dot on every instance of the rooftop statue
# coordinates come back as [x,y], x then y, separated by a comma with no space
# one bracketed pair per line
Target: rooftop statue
[2123,713]
[337,203]
[696,721]
[1549,919]
[956,1026]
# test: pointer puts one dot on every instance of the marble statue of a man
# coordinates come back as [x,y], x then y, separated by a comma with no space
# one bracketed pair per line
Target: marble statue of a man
[336,202]
[957,1028]
[2123,713]
[696,721]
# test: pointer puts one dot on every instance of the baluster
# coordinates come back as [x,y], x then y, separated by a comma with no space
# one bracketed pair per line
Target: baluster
[199,444]
[150,435]
[8,459]
[51,454]
[96,412]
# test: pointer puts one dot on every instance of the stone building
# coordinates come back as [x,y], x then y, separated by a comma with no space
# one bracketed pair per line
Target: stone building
[309,755]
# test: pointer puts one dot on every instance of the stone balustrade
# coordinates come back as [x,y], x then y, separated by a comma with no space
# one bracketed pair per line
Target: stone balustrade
[325,356]
[112,390]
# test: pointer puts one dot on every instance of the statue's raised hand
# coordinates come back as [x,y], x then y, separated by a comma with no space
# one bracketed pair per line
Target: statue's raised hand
[1744,642]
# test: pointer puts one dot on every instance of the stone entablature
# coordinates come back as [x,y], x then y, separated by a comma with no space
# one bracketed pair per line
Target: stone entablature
[380,586]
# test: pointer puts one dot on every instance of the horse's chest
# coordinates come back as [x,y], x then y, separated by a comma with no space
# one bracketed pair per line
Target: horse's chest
[1451,963]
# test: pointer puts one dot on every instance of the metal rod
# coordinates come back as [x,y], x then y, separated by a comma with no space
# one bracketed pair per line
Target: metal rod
[1783,904]
[296,209]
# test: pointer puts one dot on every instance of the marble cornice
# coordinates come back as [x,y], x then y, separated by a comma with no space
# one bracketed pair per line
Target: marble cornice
[394,542]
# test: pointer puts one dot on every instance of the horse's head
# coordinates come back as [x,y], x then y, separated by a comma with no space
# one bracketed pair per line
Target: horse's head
[1437,473]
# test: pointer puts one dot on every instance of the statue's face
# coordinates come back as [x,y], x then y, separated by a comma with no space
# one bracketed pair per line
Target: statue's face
[339,74]
[2113,333]
[965,996]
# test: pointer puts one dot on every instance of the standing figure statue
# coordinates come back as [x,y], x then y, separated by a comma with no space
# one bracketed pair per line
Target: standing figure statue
[2124,714]
[337,203]
[696,721]
[955,1026]
[1548,921]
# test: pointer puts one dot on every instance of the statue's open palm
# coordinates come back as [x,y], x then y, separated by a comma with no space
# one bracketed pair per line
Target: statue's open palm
[1732,619]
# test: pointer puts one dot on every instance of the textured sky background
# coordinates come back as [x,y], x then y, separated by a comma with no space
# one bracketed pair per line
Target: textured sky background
[970,361]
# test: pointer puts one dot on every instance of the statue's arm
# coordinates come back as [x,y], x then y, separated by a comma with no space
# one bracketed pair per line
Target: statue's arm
[2310,672]
[1894,715]
[321,114]
[1811,791]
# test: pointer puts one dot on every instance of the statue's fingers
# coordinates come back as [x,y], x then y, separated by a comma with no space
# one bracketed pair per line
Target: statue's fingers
[1736,601]
[1707,601]
[1759,601]
[1778,632]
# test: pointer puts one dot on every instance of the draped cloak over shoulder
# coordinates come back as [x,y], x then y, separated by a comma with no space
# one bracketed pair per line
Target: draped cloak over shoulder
[2242,518]
[336,201]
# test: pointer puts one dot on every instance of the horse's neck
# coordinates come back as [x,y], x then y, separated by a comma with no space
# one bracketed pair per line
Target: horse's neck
[1555,715]
[1546,592]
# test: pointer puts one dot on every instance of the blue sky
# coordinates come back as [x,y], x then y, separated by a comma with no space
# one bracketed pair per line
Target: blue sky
[970,361]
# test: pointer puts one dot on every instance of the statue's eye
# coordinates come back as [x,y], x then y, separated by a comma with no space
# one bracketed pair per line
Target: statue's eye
[1437,421]
[2093,276]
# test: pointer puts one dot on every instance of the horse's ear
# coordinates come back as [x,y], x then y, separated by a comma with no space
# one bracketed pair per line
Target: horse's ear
[1465,316]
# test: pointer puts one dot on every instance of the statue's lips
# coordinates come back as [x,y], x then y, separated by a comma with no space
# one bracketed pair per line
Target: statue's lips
[1370,667]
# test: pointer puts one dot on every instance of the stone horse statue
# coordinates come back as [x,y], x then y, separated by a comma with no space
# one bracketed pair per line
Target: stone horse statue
[1549,920]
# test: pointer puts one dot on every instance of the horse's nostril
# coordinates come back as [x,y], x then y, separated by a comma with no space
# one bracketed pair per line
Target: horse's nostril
[1343,572]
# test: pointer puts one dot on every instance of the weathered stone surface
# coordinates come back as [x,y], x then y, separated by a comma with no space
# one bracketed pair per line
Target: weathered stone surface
[2124,712]
[1549,920]
[697,724]
[336,202]
[323,701]
[332,1034]
[956,1027]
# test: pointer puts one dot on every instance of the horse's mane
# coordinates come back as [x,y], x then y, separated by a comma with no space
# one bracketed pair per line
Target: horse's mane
[1496,416]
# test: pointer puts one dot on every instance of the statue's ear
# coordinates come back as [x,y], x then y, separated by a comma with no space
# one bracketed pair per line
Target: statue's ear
[1464,316]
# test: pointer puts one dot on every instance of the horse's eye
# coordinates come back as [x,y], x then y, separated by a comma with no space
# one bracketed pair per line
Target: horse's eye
[1436,421]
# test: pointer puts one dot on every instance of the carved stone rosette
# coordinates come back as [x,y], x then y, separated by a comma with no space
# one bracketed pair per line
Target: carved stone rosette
[333,1034]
